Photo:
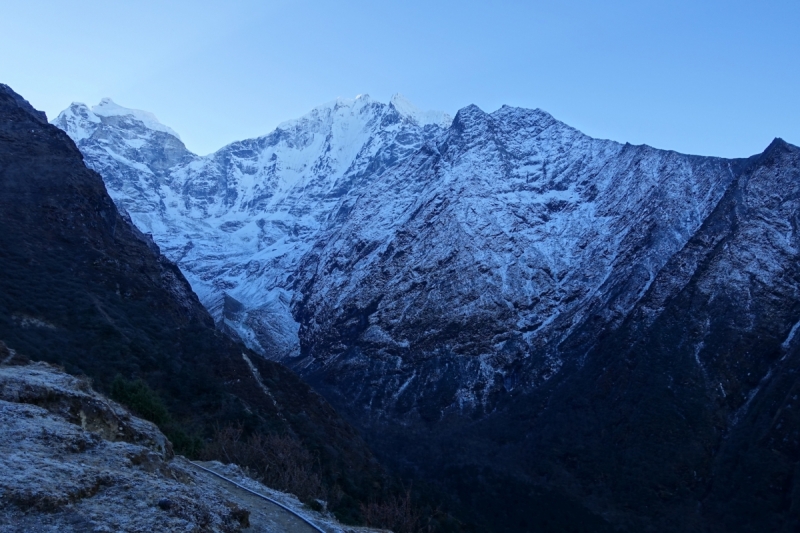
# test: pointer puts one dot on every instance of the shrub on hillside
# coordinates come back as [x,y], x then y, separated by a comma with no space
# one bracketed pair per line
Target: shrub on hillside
[278,461]
[396,512]
[141,399]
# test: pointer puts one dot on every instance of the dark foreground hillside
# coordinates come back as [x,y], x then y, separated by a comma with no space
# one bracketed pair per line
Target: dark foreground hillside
[82,288]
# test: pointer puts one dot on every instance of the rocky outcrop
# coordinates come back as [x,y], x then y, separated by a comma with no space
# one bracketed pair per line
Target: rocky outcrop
[73,460]
[72,399]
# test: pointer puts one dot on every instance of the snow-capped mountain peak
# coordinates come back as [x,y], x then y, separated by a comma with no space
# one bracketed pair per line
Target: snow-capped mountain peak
[80,122]
[334,110]
[257,202]
[422,118]
[108,108]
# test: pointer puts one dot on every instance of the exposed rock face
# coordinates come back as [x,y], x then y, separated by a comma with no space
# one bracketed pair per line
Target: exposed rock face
[72,399]
[73,460]
[83,288]
[599,333]
[464,270]
[615,323]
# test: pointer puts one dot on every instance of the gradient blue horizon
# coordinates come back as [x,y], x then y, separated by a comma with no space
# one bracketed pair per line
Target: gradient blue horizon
[709,78]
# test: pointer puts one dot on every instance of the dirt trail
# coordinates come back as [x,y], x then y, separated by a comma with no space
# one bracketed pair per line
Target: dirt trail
[265,516]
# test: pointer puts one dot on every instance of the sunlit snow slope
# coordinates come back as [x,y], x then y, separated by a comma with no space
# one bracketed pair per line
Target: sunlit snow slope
[237,221]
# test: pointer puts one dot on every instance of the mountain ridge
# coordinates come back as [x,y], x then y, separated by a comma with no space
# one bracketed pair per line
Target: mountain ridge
[175,185]
[512,307]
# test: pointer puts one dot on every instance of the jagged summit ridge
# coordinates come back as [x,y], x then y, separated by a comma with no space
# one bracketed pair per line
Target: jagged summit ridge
[77,116]
[107,108]
[239,221]
[404,106]
[354,106]
[481,257]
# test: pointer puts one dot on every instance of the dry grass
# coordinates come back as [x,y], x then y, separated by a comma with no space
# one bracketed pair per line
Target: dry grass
[397,512]
[278,461]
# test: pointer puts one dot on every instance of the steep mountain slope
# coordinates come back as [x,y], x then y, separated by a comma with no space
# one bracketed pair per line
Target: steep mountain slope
[237,221]
[612,324]
[568,333]
[458,274]
[659,368]
[83,288]
[700,376]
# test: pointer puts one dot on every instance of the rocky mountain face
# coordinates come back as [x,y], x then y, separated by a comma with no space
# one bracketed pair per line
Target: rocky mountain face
[83,288]
[565,332]
[463,272]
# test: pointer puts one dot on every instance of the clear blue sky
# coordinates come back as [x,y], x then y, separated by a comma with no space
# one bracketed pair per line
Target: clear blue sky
[705,77]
